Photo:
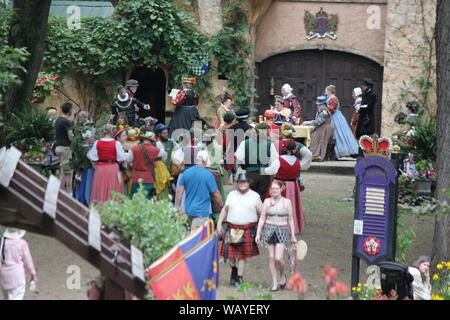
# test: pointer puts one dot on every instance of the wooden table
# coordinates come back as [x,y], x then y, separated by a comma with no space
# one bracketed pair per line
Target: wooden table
[303,132]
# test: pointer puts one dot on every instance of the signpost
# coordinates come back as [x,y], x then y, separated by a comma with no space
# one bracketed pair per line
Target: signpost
[374,230]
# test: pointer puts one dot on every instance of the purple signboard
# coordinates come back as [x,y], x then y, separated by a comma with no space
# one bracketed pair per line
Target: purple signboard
[374,222]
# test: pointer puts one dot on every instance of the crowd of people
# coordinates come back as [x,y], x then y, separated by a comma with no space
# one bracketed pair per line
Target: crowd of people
[189,163]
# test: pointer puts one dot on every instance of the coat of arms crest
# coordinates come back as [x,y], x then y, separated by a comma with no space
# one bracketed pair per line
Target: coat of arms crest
[320,25]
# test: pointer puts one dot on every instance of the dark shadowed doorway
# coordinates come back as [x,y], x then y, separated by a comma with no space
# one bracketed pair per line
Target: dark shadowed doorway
[152,88]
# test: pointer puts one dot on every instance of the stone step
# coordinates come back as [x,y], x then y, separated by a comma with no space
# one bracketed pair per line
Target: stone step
[344,166]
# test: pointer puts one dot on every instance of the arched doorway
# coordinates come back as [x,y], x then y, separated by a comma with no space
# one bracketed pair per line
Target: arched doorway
[310,71]
[152,88]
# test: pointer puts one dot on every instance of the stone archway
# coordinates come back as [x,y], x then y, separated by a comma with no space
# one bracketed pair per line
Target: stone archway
[310,71]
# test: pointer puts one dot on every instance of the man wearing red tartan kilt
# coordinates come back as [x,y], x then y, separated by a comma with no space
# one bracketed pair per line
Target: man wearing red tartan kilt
[241,211]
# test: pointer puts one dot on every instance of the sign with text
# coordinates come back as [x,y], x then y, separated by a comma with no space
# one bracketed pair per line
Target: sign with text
[375,209]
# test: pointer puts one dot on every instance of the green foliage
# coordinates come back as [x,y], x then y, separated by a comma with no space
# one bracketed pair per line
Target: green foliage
[140,32]
[46,86]
[10,58]
[405,238]
[440,282]
[232,50]
[423,143]
[29,125]
[434,207]
[246,287]
[152,225]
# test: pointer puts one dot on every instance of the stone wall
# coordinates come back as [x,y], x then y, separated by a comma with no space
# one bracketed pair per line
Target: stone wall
[282,29]
[409,45]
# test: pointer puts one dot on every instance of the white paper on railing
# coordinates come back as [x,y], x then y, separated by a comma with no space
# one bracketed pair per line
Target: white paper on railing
[137,263]
[8,164]
[94,237]
[51,196]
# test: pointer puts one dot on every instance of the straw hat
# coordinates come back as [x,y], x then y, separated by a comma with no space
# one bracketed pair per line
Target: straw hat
[13,233]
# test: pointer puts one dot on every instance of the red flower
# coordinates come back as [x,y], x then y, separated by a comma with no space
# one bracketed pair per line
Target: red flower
[329,273]
[298,284]
[34,101]
[38,84]
[339,288]
[50,89]
[53,78]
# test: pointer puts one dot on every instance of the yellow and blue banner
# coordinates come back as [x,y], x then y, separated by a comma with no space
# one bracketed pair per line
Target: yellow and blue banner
[189,271]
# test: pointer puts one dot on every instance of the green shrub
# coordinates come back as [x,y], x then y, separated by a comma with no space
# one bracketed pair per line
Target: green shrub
[151,225]
[29,126]
[422,144]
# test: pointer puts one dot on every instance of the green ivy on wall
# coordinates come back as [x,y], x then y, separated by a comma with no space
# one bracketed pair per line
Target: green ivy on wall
[96,56]
[153,33]
[232,50]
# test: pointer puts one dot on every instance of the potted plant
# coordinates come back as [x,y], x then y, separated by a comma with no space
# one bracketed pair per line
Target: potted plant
[425,176]
[46,85]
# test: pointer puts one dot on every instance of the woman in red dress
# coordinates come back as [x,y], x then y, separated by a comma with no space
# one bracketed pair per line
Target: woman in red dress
[106,152]
[288,173]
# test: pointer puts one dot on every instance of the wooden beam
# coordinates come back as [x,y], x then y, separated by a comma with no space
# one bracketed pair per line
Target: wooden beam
[23,208]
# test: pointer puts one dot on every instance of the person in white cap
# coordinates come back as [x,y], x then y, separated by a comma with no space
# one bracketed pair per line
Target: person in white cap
[356,94]
[15,259]
[291,101]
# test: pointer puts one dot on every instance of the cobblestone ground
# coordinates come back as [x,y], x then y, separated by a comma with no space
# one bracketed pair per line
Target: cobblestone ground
[328,232]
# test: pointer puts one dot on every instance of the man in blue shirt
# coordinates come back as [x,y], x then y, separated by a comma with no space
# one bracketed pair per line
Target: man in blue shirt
[200,187]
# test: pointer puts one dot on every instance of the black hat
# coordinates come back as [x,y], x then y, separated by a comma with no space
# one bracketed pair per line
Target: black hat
[367,82]
[132,83]
[242,113]
[242,177]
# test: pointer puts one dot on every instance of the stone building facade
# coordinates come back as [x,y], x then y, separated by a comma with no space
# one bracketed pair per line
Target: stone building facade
[390,41]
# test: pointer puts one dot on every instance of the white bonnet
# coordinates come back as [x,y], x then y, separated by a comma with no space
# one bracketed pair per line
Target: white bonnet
[287,88]
[357,91]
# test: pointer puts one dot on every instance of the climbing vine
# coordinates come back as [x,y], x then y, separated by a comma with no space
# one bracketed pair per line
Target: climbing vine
[97,55]
[232,49]
[152,33]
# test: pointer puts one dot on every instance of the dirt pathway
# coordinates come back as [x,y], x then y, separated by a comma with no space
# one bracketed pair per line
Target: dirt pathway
[328,232]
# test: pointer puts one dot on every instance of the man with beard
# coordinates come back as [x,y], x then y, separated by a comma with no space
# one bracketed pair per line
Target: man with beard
[130,106]
[164,142]
[241,211]
[366,121]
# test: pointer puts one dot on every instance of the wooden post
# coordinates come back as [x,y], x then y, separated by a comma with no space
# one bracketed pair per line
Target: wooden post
[113,291]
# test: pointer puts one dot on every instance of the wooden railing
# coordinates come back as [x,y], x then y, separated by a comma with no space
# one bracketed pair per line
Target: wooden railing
[25,196]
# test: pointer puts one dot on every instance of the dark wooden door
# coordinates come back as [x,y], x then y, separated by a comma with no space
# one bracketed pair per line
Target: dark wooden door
[310,71]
